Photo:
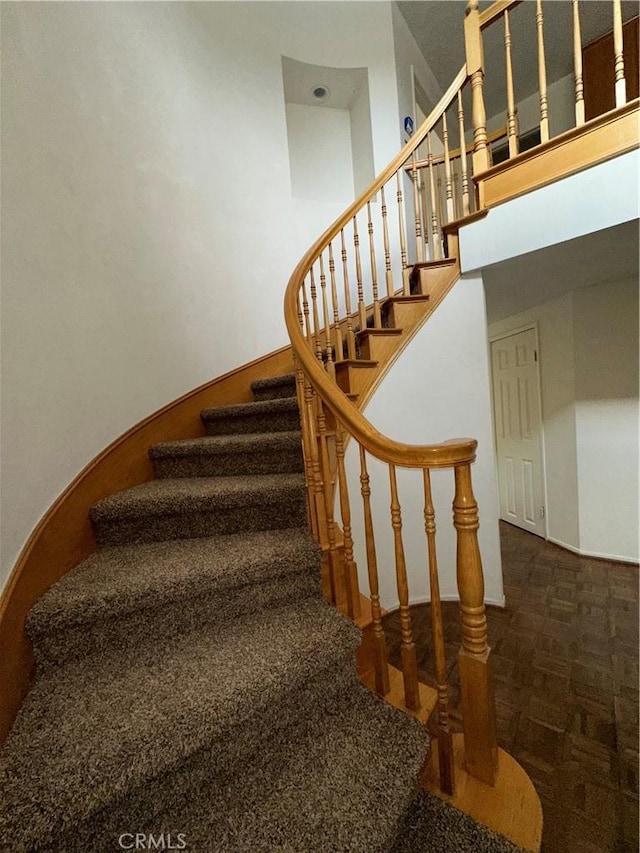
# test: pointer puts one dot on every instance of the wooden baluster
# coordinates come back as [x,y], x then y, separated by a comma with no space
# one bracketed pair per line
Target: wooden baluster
[377,316]
[463,158]
[577,64]
[407,648]
[447,170]
[475,70]
[317,344]
[439,196]
[456,194]
[351,340]
[380,658]
[305,307]
[306,456]
[350,571]
[387,252]
[435,230]
[445,739]
[474,664]
[331,551]
[416,209]
[337,329]
[362,308]
[512,125]
[425,213]
[310,428]
[403,239]
[331,370]
[542,75]
[621,85]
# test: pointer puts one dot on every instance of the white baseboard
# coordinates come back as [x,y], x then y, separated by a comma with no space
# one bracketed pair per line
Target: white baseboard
[615,558]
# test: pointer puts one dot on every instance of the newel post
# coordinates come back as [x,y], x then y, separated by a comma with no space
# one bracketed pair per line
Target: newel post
[475,70]
[474,665]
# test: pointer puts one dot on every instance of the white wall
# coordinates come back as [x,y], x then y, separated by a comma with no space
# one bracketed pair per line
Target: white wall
[438,389]
[606,358]
[320,153]
[592,200]
[149,227]
[561,106]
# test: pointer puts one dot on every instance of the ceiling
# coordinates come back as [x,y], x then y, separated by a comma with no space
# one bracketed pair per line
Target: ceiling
[520,283]
[437,26]
[301,78]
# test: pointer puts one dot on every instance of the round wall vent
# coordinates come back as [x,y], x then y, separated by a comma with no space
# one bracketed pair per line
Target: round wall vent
[321,92]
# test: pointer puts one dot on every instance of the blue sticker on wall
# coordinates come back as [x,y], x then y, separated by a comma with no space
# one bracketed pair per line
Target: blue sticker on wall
[408,125]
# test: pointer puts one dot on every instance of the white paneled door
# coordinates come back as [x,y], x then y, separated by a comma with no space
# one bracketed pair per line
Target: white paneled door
[516,409]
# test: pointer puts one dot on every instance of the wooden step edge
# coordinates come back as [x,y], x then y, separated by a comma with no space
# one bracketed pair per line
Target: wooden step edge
[413,297]
[454,226]
[395,696]
[366,333]
[356,362]
[440,262]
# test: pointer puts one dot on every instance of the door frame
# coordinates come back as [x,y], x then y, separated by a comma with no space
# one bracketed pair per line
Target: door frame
[527,327]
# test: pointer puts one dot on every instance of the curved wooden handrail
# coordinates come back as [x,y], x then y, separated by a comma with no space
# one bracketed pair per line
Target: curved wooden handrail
[443,455]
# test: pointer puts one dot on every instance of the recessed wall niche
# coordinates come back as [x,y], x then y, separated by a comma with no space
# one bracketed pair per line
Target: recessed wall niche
[329,130]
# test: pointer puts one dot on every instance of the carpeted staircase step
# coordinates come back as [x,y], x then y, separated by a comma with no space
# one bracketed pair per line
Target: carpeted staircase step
[228,455]
[89,737]
[133,593]
[195,507]
[341,784]
[280,415]
[274,387]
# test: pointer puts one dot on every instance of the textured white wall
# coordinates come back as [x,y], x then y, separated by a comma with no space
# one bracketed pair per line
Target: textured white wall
[149,227]
[438,389]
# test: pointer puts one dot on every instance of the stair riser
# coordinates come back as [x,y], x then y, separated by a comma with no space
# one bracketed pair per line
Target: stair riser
[172,617]
[230,464]
[219,521]
[265,422]
[220,762]
[277,392]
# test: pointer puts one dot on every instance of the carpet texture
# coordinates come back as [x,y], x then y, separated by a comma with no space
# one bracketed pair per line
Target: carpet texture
[191,679]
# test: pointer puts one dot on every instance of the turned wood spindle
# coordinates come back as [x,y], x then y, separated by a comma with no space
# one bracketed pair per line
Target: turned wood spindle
[351,340]
[316,472]
[403,238]
[337,328]
[463,158]
[407,647]
[331,551]
[377,316]
[447,170]
[317,343]
[350,571]
[621,85]
[435,228]
[305,309]
[331,370]
[380,661]
[542,75]
[577,64]
[385,237]
[475,70]
[425,213]
[306,452]
[416,208]
[474,663]
[445,740]
[362,308]
[512,126]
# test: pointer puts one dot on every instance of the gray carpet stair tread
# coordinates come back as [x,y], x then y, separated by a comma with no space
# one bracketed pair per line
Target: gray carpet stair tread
[188,494]
[216,445]
[343,787]
[87,734]
[255,407]
[274,381]
[119,580]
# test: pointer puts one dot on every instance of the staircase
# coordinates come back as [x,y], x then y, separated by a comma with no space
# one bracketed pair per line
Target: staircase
[194,685]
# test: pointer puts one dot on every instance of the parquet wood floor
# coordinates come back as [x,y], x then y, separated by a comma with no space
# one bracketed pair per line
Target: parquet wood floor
[565,662]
